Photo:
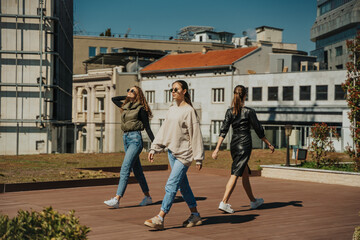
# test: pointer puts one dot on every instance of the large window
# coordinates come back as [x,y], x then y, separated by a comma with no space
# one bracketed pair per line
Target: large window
[322,92]
[257,94]
[84,100]
[101,104]
[305,93]
[103,50]
[288,93]
[114,50]
[168,96]
[272,93]
[339,51]
[92,51]
[150,96]
[215,125]
[218,95]
[340,94]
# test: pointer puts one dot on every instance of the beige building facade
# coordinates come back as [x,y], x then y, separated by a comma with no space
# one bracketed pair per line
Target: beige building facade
[86,47]
[96,117]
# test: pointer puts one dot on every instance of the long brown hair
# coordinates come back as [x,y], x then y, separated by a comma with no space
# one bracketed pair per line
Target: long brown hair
[184,85]
[239,95]
[187,96]
[139,98]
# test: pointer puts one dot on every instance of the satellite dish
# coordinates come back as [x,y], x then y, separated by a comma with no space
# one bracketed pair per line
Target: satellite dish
[244,33]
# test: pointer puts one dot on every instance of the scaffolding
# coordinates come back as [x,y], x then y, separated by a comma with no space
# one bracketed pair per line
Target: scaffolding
[187,33]
[52,84]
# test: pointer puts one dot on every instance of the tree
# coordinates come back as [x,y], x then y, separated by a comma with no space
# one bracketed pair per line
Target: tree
[352,88]
[107,33]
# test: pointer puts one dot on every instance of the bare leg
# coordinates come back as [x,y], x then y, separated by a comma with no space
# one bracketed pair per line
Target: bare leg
[230,186]
[246,184]
[147,194]
[162,214]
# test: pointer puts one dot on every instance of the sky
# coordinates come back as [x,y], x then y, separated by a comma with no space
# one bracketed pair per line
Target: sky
[166,17]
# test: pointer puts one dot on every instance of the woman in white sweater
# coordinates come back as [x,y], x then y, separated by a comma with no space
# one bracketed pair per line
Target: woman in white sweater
[181,135]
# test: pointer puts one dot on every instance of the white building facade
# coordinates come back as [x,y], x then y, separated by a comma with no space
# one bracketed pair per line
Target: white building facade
[298,98]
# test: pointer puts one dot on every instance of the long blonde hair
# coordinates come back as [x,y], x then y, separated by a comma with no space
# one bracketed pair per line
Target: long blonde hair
[141,99]
[239,95]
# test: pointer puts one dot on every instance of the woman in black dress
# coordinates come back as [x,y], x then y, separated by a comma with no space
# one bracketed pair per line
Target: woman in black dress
[241,118]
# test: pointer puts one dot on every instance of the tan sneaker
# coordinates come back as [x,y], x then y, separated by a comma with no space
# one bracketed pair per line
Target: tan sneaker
[155,222]
[192,221]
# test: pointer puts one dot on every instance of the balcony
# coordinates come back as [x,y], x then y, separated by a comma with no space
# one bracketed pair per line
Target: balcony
[99,117]
[81,116]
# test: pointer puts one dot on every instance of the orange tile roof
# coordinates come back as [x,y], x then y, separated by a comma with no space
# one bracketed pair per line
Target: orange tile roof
[189,61]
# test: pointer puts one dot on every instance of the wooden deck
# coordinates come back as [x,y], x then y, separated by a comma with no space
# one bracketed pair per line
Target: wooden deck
[292,209]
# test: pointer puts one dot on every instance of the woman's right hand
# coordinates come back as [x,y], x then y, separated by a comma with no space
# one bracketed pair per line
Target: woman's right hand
[215,154]
[151,157]
[272,148]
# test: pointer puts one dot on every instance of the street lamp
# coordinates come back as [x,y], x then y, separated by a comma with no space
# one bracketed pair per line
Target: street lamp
[288,129]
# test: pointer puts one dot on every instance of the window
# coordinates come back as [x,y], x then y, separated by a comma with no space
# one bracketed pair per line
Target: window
[114,50]
[84,101]
[161,120]
[340,94]
[339,51]
[247,94]
[92,51]
[340,66]
[192,94]
[201,38]
[101,106]
[150,96]
[272,93]
[103,50]
[218,95]
[168,96]
[257,94]
[288,93]
[83,139]
[215,127]
[305,92]
[321,92]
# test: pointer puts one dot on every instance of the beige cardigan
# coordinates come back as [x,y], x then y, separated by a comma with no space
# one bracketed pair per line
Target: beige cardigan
[181,134]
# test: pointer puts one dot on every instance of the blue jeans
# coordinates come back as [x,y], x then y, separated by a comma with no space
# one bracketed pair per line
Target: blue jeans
[177,179]
[133,145]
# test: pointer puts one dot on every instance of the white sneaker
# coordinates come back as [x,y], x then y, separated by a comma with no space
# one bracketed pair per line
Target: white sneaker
[112,203]
[146,201]
[225,207]
[258,202]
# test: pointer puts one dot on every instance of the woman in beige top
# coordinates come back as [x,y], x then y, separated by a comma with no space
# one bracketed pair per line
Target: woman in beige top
[181,135]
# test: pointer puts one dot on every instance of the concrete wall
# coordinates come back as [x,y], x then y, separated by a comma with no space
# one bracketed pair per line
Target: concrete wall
[22,104]
[257,61]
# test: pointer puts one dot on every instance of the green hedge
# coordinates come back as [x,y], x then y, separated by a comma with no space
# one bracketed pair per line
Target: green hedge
[47,224]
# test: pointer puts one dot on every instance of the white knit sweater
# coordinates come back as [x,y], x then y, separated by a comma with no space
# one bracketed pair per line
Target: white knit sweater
[181,134]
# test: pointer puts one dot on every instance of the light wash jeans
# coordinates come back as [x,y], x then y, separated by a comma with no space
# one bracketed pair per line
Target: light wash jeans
[133,145]
[177,179]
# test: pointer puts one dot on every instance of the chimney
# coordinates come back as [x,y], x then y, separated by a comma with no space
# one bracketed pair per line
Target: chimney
[205,49]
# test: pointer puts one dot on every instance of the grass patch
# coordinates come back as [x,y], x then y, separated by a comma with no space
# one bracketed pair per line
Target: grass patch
[337,167]
[58,167]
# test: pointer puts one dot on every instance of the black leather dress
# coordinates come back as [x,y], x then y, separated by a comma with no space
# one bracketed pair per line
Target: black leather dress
[241,144]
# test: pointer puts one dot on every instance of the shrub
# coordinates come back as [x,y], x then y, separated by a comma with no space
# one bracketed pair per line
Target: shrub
[47,224]
[321,143]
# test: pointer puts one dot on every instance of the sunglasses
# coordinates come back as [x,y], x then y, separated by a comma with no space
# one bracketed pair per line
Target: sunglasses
[131,90]
[174,89]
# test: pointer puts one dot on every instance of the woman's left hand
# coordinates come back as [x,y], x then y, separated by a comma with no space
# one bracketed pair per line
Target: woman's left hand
[151,157]
[198,167]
